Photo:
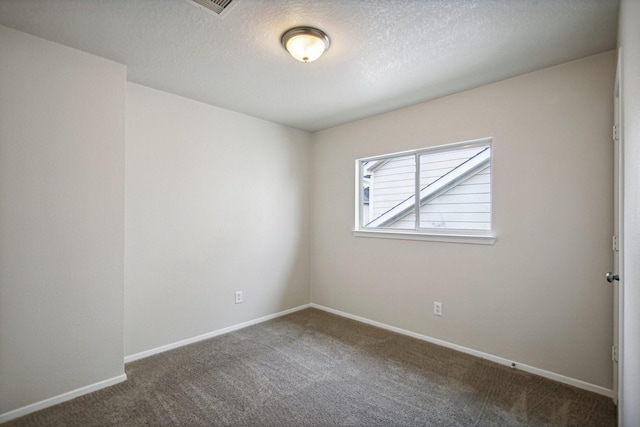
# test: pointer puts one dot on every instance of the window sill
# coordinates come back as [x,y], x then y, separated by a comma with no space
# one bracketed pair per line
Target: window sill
[474,239]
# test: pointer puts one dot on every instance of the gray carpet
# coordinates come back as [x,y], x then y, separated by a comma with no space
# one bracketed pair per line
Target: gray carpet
[312,368]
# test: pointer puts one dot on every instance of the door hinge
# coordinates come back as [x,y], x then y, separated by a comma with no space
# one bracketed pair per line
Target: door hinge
[615,132]
[614,353]
[614,243]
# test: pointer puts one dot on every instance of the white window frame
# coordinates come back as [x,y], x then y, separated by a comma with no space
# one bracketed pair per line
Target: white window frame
[483,237]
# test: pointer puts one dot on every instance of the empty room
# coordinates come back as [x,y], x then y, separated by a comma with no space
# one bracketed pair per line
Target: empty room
[305,213]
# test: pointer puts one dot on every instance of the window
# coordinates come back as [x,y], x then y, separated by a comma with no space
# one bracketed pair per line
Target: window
[438,193]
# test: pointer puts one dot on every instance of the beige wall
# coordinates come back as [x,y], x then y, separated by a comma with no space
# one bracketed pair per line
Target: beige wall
[216,202]
[629,41]
[537,296]
[62,138]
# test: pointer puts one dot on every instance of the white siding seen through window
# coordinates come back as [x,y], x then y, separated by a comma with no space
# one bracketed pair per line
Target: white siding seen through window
[451,184]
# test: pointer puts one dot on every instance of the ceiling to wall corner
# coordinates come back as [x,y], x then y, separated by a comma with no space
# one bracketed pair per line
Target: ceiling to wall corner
[384,54]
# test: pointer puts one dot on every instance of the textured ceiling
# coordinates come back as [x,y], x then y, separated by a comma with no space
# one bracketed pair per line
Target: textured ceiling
[385,54]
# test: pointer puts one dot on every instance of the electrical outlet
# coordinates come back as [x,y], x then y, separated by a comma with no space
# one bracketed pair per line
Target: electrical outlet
[238,297]
[437,308]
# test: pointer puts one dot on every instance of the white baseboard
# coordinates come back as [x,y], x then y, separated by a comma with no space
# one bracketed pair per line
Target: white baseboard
[208,335]
[16,413]
[502,361]
[25,410]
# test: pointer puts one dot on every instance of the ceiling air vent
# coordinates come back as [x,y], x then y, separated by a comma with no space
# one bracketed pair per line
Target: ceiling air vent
[217,7]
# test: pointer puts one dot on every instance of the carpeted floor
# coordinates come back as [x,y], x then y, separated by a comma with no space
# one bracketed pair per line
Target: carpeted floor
[312,368]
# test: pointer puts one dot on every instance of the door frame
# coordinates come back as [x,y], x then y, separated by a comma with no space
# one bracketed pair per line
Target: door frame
[618,246]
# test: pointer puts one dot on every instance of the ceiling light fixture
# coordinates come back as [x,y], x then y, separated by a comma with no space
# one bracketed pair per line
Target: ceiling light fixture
[305,44]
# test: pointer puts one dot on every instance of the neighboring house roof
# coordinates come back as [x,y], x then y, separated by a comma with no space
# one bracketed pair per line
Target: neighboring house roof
[446,182]
[374,165]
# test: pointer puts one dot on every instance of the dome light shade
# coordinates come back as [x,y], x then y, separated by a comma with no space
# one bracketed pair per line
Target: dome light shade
[306,44]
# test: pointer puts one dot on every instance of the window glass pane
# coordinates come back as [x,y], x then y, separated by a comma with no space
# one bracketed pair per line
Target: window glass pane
[388,192]
[455,189]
